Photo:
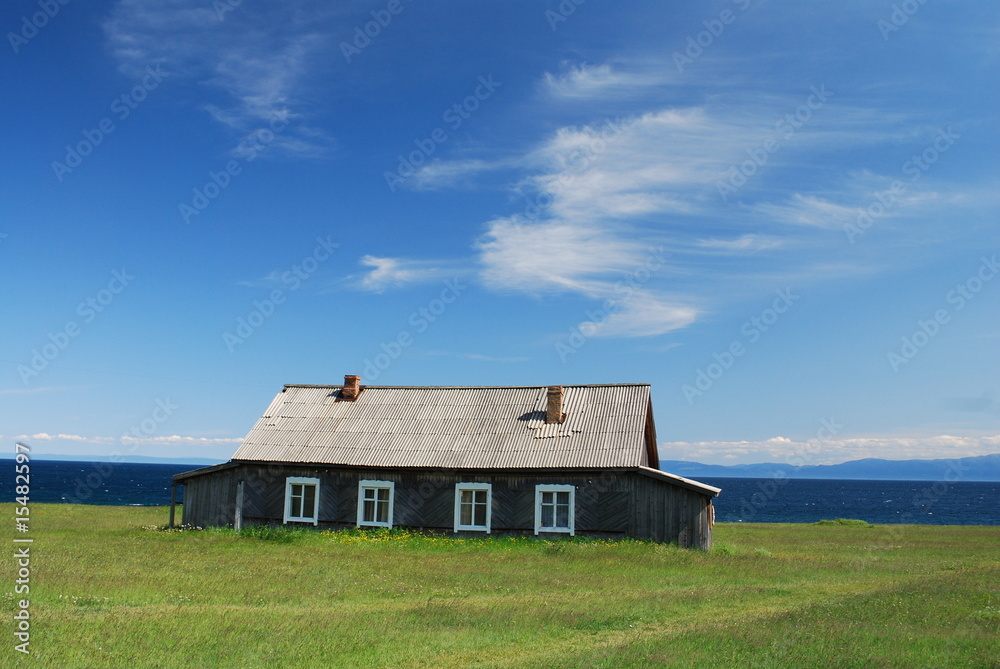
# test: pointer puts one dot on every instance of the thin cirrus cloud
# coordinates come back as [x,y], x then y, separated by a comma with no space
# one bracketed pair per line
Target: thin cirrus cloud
[552,256]
[250,68]
[441,174]
[748,243]
[868,198]
[557,256]
[597,183]
[388,273]
[644,315]
[595,196]
[584,81]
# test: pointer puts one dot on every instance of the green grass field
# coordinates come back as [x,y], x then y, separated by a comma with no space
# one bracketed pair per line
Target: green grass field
[107,590]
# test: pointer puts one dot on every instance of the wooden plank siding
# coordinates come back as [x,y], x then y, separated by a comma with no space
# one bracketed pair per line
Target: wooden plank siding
[609,503]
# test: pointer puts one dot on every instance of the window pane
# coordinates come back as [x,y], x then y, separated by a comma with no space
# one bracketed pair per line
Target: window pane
[383,508]
[465,515]
[546,498]
[308,501]
[383,495]
[480,496]
[467,496]
[369,514]
[481,515]
[562,498]
[546,515]
[370,493]
[562,515]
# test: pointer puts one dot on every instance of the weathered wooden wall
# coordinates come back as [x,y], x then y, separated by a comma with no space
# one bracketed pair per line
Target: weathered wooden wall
[612,503]
[210,500]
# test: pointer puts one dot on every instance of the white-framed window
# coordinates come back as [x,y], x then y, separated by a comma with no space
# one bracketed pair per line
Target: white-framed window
[302,500]
[555,508]
[473,507]
[375,503]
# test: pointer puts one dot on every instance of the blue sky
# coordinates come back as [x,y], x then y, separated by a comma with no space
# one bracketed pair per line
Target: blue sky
[781,215]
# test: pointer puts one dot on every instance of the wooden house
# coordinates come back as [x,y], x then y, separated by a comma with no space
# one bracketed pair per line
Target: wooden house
[536,460]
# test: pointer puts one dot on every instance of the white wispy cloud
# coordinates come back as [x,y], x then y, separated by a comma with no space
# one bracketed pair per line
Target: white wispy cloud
[182,440]
[552,256]
[830,451]
[748,243]
[577,82]
[269,279]
[844,200]
[453,173]
[387,273]
[808,210]
[45,436]
[250,65]
[598,182]
[645,315]
[595,195]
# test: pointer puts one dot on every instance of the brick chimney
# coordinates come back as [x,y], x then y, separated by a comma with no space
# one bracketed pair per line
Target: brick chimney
[554,409]
[352,388]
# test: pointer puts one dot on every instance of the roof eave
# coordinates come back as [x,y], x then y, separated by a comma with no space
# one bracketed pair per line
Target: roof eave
[673,479]
[205,470]
[690,484]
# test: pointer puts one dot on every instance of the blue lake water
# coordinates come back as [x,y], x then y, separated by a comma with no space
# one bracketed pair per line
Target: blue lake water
[809,500]
[107,483]
[742,499]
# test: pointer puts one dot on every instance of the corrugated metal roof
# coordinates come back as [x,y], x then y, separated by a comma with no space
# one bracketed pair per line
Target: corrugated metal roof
[452,427]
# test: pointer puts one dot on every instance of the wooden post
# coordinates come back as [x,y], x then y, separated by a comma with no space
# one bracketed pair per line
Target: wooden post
[238,520]
[173,503]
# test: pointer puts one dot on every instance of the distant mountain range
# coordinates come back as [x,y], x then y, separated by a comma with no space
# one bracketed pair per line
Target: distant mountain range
[980,468]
